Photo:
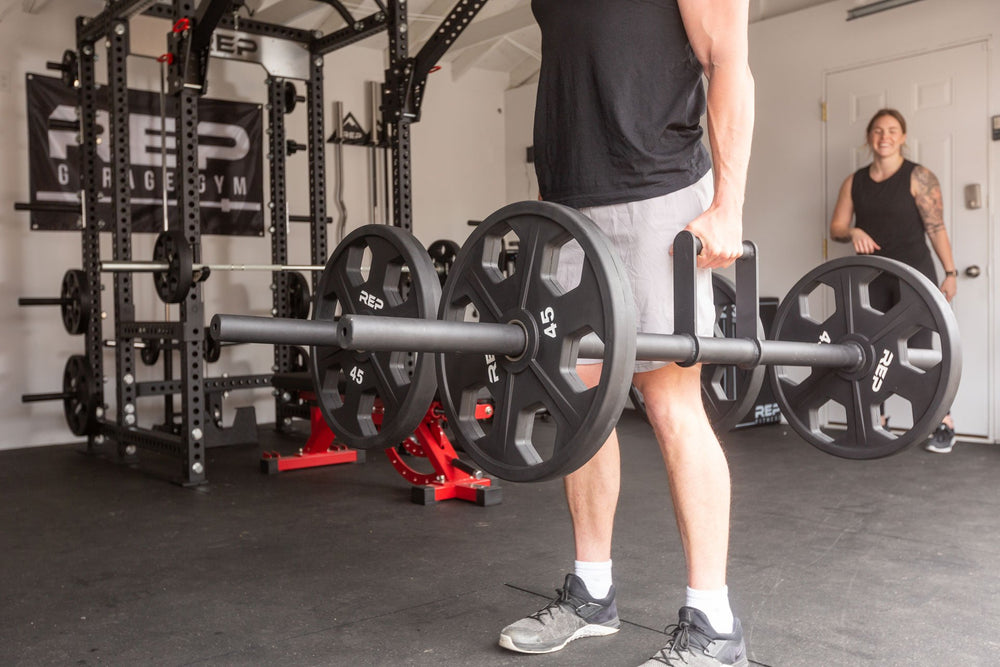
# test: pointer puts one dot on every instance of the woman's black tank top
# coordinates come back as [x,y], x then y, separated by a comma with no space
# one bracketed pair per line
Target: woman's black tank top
[888,212]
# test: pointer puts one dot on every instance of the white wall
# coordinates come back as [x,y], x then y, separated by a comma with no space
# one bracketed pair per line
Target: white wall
[458,174]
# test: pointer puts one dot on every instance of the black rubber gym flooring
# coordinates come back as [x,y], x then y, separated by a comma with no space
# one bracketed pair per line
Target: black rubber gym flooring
[833,562]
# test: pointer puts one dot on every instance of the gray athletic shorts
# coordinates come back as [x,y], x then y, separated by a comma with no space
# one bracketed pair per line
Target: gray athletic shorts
[641,233]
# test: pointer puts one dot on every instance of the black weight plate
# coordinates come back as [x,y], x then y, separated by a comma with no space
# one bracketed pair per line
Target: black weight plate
[75,308]
[443,253]
[516,443]
[726,390]
[886,370]
[291,96]
[150,353]
[213,348]
[79,406]
[299,298]
[173,285]
[70,69]
[365,276]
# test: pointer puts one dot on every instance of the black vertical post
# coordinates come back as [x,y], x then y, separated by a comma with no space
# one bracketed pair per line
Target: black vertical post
[279,222]
[121,212]
[399,74]
[91,238]
[317,166]
[192,312]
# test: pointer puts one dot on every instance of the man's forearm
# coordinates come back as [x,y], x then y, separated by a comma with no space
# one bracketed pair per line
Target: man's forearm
[730,131]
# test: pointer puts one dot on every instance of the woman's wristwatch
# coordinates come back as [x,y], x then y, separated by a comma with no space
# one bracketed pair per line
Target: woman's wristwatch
[953,272]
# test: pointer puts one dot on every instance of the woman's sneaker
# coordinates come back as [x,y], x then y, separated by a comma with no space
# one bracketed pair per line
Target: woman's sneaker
[572,615]
[695,643]
[942,441]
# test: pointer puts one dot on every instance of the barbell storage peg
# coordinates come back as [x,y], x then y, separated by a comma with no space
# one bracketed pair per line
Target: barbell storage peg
[74,301]
[79,402]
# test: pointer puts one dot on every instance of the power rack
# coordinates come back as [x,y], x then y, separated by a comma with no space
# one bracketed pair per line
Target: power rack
[200,31]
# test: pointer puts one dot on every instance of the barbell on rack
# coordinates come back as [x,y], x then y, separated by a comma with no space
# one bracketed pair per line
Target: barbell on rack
[533,327]
[174,270]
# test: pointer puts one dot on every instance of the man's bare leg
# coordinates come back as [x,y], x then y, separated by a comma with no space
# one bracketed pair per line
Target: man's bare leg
[592,492]
[696,467]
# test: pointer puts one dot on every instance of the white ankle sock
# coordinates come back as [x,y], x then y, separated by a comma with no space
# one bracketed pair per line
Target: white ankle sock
[595,575]
[715,605]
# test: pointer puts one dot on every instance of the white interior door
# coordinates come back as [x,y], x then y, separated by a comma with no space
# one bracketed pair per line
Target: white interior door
[943,96]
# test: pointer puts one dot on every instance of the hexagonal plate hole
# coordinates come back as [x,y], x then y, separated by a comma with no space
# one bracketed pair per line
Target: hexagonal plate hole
[571,356]
[882,293]
[536,435]
[899,410]
[922,350]
[568,267]
[500,253]
[819,304]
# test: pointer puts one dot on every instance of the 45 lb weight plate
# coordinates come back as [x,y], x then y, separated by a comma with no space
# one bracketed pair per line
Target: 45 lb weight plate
[887,340]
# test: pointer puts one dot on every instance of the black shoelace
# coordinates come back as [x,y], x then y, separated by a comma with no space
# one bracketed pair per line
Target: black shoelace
[563,597]
[681,636]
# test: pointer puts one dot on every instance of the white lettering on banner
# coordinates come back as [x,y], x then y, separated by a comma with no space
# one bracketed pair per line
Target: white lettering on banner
[237,151]
[149,180]
[219,182]
[63,173]
[144,141]
[240,185]
[225,141]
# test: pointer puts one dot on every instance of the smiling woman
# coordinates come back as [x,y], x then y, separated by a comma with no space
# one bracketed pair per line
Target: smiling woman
[894,202]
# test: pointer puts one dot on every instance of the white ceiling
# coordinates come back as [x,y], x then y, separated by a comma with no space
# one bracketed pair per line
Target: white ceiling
[503,37]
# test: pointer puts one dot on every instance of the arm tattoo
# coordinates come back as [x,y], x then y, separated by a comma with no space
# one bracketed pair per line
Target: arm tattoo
[928,200]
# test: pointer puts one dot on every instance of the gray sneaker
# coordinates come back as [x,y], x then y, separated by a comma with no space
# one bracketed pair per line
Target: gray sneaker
[942,441]
[572,615]
[695,643]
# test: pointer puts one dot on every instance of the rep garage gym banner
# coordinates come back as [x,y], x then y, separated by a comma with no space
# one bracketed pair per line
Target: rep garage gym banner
[229,160]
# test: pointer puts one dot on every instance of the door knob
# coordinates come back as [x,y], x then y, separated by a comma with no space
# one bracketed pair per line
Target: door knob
[972,271]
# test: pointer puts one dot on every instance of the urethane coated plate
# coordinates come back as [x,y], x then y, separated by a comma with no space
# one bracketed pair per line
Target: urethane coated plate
[376,270]
[75,308]
[887,371]
[545,422]
[173,285]
[728,391]
[79,405]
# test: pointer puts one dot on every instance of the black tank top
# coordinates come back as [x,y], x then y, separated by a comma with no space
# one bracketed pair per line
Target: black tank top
[888,212]
[619,101]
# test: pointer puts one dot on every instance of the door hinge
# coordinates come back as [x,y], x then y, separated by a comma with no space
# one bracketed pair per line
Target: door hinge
[822,111]
[826,255]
